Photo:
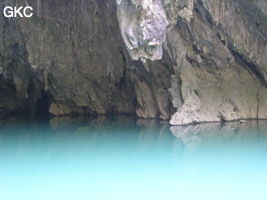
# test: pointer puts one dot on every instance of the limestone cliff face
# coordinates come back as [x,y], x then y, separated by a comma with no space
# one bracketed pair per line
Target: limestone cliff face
[223,69]
[217,53]
[76,51]
[185,60]
[17,83]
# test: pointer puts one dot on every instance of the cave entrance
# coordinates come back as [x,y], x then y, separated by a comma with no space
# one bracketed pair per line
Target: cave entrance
[42,107]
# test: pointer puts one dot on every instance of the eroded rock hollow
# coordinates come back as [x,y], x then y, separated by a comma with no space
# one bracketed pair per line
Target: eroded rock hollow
[186,61]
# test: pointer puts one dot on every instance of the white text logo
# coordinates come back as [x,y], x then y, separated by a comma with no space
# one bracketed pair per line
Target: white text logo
[18,11]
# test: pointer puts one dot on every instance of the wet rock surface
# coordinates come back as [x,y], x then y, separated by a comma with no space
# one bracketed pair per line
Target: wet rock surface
[186,60]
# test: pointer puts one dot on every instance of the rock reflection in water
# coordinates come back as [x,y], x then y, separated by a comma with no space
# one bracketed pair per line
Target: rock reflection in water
[117,134]
[222,140]
[146,132]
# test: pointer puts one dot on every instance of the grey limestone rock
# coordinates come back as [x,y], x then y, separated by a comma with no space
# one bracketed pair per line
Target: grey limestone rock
[18,87]
[143,25]
[189,61]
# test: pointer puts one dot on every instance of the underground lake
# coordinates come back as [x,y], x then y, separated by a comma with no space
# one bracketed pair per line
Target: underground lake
[124,157]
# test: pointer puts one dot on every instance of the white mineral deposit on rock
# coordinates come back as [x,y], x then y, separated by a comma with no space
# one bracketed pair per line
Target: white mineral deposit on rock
[143,27]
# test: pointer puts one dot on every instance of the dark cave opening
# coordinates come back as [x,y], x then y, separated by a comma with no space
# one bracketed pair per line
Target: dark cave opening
[42,107]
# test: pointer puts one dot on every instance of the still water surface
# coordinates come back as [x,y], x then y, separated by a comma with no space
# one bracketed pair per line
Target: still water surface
[124,158]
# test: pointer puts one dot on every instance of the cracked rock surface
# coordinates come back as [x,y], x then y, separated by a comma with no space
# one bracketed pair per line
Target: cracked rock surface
[188,61]
[143,25]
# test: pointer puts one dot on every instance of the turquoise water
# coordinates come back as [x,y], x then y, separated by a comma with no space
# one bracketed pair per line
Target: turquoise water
[124,158]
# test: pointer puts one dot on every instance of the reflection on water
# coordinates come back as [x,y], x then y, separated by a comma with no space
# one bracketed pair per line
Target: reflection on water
[129,158]
[227,143]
